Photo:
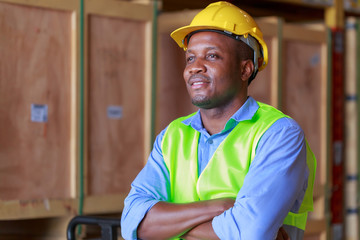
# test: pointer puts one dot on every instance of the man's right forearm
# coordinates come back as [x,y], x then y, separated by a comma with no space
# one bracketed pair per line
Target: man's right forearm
[166,220]
[202,231]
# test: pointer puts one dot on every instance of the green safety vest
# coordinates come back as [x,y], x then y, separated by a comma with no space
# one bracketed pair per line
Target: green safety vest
[224,175]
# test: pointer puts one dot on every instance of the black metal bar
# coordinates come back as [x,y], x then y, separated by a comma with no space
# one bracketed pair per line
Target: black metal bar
[108,226]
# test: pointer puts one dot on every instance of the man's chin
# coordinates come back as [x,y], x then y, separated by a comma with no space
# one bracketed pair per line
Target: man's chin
[202,103]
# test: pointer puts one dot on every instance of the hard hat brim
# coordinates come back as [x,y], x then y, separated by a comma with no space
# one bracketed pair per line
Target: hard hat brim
[179,34]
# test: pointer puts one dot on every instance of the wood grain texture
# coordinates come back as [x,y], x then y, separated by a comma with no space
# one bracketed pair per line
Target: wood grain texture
[35,68]
[260,87]
[302,90]
[116,78]
[172,99]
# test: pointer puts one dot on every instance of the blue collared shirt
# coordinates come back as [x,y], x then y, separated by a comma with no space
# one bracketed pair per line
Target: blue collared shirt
[275,184]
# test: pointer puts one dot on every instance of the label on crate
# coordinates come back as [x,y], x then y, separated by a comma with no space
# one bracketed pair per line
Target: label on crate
[315,60]
[338,152]
[115,112]
[39,113]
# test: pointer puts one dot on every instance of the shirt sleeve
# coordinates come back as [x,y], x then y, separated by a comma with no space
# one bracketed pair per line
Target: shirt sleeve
[275,184]
[149,187]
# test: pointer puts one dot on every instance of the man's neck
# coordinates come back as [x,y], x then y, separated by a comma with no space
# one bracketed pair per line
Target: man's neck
[215,119]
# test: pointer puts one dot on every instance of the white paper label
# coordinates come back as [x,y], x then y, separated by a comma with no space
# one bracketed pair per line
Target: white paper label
[115,112]
[39,113]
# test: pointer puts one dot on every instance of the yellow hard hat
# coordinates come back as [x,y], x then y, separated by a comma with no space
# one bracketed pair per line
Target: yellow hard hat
[231,20]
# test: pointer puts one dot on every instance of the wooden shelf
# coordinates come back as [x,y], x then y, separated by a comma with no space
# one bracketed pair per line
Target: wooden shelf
[308,3]
[314,227]
[352,12]
[291,11]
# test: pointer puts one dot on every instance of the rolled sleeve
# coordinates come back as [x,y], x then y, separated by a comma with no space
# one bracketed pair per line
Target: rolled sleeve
[149,187]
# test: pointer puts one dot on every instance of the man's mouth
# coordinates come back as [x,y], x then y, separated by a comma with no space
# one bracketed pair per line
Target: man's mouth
[198,81]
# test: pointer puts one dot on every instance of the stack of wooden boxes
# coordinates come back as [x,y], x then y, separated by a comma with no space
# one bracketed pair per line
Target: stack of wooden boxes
[79,107]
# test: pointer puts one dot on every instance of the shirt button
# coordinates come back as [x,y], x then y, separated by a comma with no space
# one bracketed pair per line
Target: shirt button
[210,141]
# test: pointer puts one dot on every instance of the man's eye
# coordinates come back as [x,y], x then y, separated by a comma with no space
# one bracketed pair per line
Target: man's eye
[189,59]
[212,56]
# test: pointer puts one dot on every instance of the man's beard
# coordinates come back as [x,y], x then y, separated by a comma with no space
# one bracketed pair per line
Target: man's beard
[201,102]
[207,102]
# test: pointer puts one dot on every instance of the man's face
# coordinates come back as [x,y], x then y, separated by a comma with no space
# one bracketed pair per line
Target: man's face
[213,70]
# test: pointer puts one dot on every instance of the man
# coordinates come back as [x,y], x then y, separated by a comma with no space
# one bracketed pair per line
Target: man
[237,168]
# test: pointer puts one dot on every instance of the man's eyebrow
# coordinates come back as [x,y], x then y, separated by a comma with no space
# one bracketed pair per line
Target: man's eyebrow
[207,49]
[212,48]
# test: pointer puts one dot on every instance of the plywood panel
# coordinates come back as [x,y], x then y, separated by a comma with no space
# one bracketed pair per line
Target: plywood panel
[302,90]
[305,98]
[260,87]
[116,78]
[172,100]
[35,68]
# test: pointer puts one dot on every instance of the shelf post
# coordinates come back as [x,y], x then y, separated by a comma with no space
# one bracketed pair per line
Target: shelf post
[334,18]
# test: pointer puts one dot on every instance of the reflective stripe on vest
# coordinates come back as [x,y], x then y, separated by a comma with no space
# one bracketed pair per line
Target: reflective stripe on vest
[224,174]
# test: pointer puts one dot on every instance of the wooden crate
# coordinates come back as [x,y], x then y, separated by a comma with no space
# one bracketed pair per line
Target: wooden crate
[40,64]
[264,87]
[304,97]
[118,101]
[304,85]
[172,99]
[37,107]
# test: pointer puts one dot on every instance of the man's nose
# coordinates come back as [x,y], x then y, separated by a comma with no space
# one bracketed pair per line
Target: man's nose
[197,66]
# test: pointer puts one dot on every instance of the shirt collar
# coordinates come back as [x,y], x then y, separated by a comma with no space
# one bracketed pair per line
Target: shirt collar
[245,112]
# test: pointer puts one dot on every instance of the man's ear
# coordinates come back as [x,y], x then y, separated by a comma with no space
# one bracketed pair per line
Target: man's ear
[247,68]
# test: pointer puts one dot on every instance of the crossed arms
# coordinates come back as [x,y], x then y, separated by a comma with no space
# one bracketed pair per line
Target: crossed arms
[271,187]
[190,221]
